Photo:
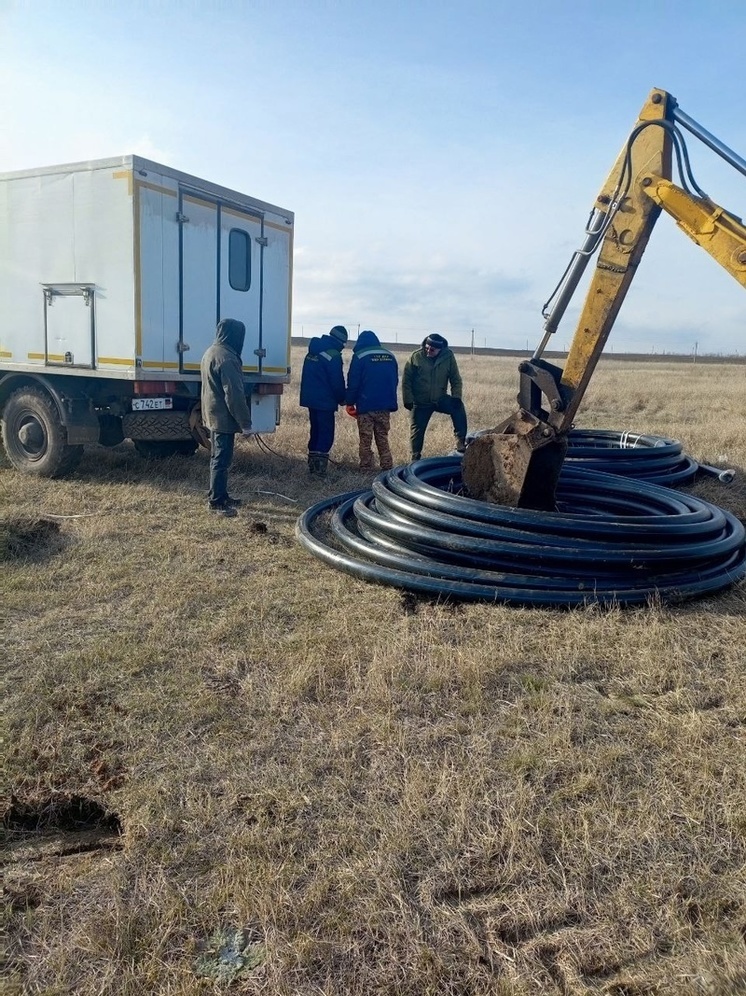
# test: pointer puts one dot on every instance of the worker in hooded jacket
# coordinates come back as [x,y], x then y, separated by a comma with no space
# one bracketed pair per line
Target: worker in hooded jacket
[322,390]
[225,410]
[428,373]
[372,382]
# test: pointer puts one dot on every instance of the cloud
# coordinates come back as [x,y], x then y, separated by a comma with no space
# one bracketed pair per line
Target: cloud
[431,294]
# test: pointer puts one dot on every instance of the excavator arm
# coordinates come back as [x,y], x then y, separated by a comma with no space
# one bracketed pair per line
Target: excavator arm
[519,461]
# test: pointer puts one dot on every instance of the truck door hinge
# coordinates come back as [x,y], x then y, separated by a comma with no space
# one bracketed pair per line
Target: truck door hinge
[261,352]
[262,240]
[181,218]
[182,347]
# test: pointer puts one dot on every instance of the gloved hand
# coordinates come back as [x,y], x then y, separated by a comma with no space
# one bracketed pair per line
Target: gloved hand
[247,433]
[351,411]
[408,405]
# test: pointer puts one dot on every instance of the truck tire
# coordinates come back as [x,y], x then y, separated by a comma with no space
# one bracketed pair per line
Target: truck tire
[34,437]
[157,427]
[160,450]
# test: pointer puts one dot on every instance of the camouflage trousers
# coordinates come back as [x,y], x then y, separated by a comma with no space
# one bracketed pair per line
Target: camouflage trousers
[370,426]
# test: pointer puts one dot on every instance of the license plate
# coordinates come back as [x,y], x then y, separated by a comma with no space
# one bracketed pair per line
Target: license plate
[151,404]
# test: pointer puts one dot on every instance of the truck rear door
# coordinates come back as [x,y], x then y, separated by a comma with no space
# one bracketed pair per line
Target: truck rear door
[220,256]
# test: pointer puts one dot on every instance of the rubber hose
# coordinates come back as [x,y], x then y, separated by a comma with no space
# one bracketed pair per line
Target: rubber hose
[612,540]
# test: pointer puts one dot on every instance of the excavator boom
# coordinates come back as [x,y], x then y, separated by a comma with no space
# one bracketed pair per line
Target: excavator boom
[519,461]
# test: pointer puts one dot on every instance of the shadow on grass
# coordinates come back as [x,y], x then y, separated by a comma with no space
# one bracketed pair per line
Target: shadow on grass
[29,539]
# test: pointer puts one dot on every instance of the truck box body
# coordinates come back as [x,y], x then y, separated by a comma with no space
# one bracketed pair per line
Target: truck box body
[121,268]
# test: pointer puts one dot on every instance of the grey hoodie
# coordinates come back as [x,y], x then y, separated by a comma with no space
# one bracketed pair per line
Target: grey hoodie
[224,406]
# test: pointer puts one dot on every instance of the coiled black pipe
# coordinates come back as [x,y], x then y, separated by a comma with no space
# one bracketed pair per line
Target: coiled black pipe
[612,540]
[650,458]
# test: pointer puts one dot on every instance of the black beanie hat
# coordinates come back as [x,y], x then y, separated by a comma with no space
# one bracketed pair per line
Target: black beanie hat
[436,339]
[339,332]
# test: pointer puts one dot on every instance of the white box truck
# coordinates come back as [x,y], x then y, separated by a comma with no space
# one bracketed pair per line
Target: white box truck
[113,276]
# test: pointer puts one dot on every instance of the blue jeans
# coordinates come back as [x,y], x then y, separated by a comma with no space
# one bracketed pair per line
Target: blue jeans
[221,457]
[321,438]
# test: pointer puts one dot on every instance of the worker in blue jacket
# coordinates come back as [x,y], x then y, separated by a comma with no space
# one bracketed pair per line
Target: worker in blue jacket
[322,390]
[372,382]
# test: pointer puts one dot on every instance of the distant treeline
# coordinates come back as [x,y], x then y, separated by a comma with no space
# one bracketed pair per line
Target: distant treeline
[551,354]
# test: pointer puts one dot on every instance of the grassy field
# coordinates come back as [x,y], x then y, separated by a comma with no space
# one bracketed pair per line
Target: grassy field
[231,768]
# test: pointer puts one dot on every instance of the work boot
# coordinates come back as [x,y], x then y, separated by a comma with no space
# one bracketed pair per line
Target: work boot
[416,456]
[234,502]
[224,509]
[461,445]
[317,464]
[385,456]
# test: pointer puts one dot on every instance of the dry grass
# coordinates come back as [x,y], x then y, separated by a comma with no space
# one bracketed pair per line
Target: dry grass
[348,791]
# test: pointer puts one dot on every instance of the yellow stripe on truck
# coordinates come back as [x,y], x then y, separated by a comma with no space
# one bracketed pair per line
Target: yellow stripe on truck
[124,174]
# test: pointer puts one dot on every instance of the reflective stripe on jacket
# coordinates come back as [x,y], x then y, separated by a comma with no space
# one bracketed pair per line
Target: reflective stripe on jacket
[322,382]
[373,377]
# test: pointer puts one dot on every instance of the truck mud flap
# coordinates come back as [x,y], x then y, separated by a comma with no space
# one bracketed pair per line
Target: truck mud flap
[81,434]
[82,428]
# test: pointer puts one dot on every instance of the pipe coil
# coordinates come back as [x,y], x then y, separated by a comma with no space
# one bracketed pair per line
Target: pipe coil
[651,458]
[612,540]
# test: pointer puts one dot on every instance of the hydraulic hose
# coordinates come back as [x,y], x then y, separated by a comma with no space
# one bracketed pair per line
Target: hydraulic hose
[612,540]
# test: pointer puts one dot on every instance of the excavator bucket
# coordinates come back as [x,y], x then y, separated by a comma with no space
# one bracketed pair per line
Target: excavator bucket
[517,463]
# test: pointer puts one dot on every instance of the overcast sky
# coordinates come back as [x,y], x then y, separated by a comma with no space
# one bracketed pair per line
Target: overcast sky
[441,158]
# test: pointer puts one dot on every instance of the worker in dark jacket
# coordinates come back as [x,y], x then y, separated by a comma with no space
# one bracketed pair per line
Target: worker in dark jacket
[427,375]
[225,410]
[372,381]
[322,390]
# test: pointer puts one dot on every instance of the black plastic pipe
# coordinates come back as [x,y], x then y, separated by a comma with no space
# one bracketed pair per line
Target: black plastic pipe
[612,540]
[652,458]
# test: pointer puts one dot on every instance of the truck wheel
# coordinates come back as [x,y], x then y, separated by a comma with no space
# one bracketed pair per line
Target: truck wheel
[157,450]
[34,437]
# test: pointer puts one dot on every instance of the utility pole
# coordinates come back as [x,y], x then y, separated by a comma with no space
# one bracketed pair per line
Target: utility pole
[694,359]
[472,342]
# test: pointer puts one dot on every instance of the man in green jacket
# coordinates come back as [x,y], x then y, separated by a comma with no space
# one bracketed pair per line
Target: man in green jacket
[225,410]
[427,375]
